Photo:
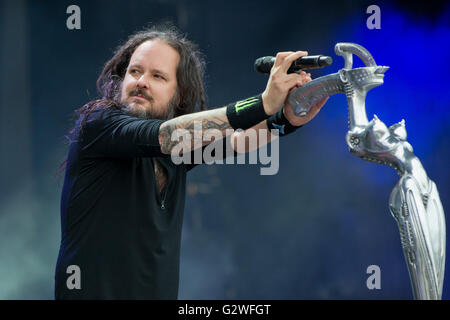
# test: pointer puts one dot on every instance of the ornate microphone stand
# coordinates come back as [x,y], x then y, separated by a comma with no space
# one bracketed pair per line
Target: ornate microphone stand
[414,201]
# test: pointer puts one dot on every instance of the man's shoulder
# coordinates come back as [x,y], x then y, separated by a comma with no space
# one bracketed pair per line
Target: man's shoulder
[103,112]
[95,118]
[101,116]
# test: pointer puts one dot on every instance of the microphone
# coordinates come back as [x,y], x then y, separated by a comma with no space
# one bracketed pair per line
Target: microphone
[264,64]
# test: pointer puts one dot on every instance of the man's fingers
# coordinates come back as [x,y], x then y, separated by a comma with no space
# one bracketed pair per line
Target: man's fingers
[287,61]
[297,80]
[322,102]
[316,108]
[280,82]
[288,57]
[280,57]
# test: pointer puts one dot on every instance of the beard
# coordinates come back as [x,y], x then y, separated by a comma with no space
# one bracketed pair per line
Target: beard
[166,112]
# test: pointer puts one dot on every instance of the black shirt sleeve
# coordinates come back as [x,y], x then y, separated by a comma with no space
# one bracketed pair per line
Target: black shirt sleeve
[114,133]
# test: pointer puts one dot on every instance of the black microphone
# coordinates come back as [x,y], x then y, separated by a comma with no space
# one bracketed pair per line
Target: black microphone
[264,64]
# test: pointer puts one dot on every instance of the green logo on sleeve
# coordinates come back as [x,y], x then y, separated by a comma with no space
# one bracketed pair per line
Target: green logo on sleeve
[245,103]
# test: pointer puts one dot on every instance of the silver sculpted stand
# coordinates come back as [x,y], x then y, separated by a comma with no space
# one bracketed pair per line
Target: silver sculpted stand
[414,201]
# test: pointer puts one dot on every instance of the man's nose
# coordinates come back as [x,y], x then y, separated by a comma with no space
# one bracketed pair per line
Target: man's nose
[142,82]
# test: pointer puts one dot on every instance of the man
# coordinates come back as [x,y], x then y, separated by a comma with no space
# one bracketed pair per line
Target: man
[123,197]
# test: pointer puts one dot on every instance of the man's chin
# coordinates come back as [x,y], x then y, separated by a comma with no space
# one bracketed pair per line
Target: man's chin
[143,110]
[138,110]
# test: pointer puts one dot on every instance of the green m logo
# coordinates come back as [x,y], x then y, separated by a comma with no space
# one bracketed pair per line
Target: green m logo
[245,103]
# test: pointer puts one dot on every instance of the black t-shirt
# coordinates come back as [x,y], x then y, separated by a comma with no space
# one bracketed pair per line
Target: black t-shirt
[117,228]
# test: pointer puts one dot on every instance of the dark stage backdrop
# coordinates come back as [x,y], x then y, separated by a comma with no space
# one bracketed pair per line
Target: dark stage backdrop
[308,232]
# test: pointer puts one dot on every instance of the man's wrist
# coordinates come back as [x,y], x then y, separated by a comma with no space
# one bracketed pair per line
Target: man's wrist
[246,113]
[279,122]
[266,104]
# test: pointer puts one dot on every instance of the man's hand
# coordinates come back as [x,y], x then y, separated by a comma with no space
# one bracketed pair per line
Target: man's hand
[299,121]
[280,82]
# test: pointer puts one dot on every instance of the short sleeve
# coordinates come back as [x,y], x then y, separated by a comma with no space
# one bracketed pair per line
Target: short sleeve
[114,133]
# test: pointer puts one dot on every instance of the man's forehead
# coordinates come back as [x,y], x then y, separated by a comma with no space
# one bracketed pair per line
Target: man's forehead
[156,54]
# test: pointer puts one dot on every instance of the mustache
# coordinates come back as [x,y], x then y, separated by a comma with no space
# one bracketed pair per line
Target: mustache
[144,94]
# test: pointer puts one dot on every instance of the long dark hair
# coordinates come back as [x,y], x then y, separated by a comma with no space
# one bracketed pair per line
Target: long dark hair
[190,71]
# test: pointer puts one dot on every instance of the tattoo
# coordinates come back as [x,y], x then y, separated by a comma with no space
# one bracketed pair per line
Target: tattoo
[160,175]
[211,119]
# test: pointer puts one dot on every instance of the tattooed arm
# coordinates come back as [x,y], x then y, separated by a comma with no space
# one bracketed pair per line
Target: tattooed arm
[273,98]
[211,119]
[217,119]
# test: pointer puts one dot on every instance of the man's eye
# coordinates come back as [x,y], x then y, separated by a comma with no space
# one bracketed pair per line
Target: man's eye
[159,76]
[134,71]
